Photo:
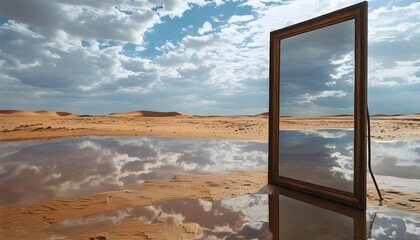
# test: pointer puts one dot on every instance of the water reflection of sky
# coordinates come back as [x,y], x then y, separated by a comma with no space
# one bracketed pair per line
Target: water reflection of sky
[238,217]
[247,217]
[35,170]
[393,224]
[397,164]
[397,158]
[323,157]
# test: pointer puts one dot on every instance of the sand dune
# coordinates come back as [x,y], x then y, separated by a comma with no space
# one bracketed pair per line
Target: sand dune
[18,113]
[36,113]
[264,114]
[54,114]
[144,113]
[46,113]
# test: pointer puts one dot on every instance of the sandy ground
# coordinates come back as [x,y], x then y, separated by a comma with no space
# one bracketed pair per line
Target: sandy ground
[28,126]
[34,221]
[20,125]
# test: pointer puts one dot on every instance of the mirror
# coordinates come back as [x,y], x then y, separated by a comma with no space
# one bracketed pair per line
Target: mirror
[318,106]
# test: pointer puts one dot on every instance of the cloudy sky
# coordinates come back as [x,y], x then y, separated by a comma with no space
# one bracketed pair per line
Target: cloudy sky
[193,56]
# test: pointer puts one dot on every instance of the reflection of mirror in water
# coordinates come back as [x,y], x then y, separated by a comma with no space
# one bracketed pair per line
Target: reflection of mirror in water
[317,72]
[246,217]
[306,221]
[323,157]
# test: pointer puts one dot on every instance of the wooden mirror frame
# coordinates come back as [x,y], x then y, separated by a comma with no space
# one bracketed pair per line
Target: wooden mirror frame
[358,13]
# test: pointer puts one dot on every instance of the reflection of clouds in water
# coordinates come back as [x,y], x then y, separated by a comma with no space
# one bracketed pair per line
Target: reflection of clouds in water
[43,169]
[146,215]
[253,207]
[242,217]
[206,205]
[402,184]
[323,157]
[396,158]
[395,225]
[91,164]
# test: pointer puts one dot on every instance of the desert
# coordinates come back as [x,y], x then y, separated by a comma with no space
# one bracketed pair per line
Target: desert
[24,125]
[35,220]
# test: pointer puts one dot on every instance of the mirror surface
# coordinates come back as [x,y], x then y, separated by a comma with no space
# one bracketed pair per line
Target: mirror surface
[317,80]
[323,157]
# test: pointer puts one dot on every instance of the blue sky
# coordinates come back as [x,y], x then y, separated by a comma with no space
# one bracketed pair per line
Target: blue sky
[192,56]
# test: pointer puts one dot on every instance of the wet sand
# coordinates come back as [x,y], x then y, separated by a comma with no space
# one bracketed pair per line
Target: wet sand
[33,221]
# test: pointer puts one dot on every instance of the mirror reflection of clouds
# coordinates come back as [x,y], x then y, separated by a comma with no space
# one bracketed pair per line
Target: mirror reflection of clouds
[344,68]
[79,166]
[317,72]
[323,157]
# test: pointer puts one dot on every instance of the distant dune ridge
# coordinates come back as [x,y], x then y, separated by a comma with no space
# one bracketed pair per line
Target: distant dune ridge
[37,113]
[144,113]
[141,113]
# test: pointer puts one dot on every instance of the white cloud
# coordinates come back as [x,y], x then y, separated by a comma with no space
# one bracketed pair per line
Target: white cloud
[240,18]
[83,21]
[399,73]
[394,23]
[205,28]
[175,8]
